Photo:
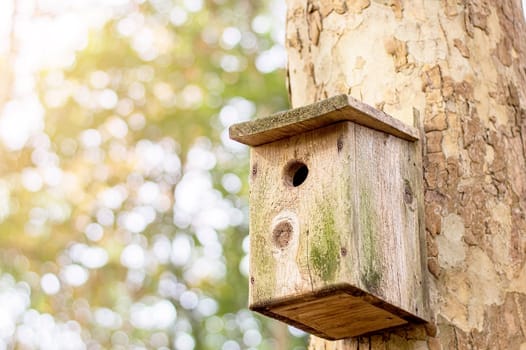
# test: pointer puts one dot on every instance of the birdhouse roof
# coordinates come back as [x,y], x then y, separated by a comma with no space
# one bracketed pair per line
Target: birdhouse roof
[317,115]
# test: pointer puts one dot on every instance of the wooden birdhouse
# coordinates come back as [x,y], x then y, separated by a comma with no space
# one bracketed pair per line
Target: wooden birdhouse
[336,219]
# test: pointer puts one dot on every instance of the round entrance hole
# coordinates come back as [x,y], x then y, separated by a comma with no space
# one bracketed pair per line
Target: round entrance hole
[295,173]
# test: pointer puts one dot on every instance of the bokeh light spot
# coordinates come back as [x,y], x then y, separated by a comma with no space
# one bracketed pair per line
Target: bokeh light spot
[50,283]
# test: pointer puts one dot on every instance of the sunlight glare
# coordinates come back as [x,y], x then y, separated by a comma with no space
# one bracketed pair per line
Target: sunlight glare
[207,307]
[90,138]
[91,257]
[6,11]
[50,284]
[261,24]
[252,337]
[20,119]
[189,300]
[230,345]
[193,5]
[191,97]
[108,318]
[117,127]
[130,24]
[160,315]
[181,250]
[133,256]
[5,194]
[184,341]
[113,197]
[105,217]
[94,232]
[231,182]
[132,221]
[178,16]
[149,192]
[31,180]
[270,60]
[162,248]
[99,79]
[231,37]
[74,275]
[107,99]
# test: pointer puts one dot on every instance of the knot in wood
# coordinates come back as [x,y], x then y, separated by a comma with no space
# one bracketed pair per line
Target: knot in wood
[408,193]
[339,143]
[343,251]
[282,234]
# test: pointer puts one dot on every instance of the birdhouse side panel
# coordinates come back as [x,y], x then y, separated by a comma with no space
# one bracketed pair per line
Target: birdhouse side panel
[388,218]
[418,288]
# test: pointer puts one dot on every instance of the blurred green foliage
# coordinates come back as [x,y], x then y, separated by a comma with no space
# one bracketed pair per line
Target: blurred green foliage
[123,223]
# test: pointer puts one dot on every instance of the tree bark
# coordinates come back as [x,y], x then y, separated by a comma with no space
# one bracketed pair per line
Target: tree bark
[461,65]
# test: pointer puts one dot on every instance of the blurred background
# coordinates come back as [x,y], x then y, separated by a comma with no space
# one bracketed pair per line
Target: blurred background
[123,204]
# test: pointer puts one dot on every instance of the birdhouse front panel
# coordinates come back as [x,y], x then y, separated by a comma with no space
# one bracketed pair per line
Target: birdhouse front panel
[336,224]
[298,186]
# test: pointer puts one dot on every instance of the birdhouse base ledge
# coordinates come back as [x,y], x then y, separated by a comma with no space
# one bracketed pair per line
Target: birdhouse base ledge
[337,312]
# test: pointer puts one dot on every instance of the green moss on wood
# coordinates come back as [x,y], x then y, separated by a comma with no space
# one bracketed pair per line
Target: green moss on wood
[324,247]
[370,274]
[262,263]
[263,269]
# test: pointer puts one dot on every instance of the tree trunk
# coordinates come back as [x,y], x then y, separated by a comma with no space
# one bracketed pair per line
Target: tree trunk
[460,64]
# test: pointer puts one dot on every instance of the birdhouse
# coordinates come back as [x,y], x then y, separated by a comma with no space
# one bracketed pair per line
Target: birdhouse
[336,219]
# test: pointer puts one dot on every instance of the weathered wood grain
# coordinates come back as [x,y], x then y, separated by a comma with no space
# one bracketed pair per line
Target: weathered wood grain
[332,110]
[337,311]
[388,223]
[354,222]
[311,257]
[339,315]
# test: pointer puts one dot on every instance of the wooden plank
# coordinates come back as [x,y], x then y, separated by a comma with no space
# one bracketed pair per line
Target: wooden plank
[332,110]
[336,312]
[388,219]
[340,315]
[417,150]
[317,212]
